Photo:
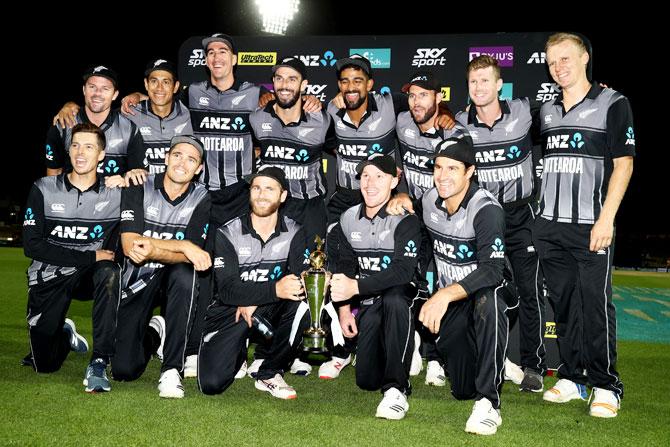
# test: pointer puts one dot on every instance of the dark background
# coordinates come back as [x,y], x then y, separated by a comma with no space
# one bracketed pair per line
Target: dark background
[44,63]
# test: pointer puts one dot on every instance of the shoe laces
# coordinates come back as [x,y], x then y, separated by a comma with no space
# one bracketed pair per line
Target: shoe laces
[98,367]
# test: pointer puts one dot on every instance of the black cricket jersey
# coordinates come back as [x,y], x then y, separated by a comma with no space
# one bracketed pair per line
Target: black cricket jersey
[416,147]
[579,147]
[468,246]
[246,268]
[295,147]
[504,152]
[147,210]
[374,135]
[382,251]
[124,143]
[157,132]
[221,121]
[63,227]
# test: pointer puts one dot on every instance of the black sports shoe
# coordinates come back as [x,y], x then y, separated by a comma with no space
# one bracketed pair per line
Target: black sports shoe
[27,360]
[532,381]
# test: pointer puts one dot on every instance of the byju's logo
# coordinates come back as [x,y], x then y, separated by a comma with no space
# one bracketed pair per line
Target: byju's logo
[378,57]
[97,232]
[504,55]
[498,249]
[464,251]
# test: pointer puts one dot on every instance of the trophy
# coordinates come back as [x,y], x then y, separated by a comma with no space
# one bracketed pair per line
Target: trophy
[315,281]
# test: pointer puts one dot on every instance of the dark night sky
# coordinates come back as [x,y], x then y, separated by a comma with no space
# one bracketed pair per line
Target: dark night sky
[48,71]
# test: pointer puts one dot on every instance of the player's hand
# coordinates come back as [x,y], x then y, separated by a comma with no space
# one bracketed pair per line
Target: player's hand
[265,98]
[399,204]
[432,312]
[311,104]
[602,233]
[199,258]
[66,115]
[115,181]
[347,322]
[136,177]
[338,101]
[289,288]
[245,312]
[342,287]
[104,255]
[129,102]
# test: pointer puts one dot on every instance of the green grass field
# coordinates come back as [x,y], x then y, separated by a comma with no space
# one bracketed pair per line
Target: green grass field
[39,409]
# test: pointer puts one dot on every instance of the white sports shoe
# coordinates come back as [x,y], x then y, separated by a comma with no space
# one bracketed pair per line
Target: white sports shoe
[564,391]
[242,371]
[191,366]
[169,385]
[484,419]
[393,406]
[300,368]
[513,372]
[417,362]
[604,403]
[277,387]
[158,324]
[435,375]
[252,369]
[332,368]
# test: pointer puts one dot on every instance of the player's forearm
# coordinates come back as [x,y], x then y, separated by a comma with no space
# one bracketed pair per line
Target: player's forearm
[623,170]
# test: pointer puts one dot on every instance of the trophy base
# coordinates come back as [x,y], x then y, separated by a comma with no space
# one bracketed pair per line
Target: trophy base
[314,342]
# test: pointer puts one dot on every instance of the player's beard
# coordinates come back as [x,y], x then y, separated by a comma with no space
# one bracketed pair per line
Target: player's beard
[354,105]
[265,210]
[291,101]
[427,116]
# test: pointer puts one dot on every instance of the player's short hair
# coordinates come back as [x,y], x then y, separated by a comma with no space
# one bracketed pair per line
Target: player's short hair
[91,128]
[484,61]
[557,38]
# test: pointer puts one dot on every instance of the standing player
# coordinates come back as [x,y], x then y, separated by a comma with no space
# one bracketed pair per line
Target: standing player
[505,161]
[589,144]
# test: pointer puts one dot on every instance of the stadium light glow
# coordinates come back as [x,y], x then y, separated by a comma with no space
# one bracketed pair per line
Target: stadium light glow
[277,14]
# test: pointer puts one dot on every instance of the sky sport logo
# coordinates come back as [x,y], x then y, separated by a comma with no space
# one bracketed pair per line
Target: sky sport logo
[429,57]
[256,58]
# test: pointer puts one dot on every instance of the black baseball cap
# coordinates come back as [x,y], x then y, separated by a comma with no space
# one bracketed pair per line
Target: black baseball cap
[160,64]
[457,149]
[384,163]
[269,171]
[425,80]
[189,139]
[294,63]
[103,71]
[219,37]
[357,61]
